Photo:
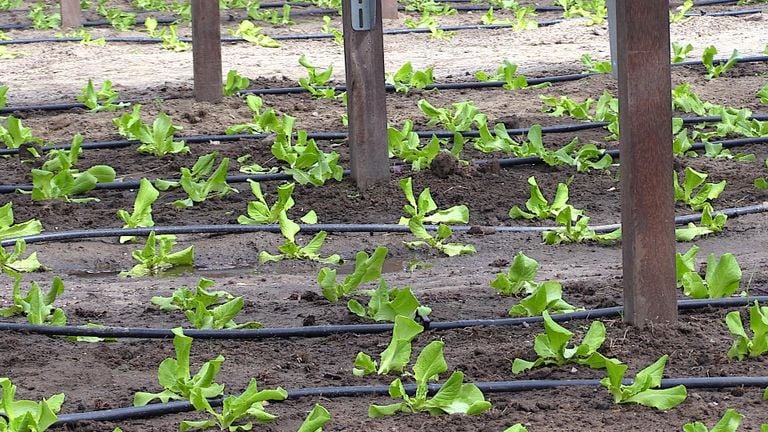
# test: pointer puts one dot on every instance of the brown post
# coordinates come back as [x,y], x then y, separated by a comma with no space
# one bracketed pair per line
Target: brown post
[366,96]
[647,198]
[70,13]
[206,50]
[389,9]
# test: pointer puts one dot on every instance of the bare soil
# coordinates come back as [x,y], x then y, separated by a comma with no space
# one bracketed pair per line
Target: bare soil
[106,375]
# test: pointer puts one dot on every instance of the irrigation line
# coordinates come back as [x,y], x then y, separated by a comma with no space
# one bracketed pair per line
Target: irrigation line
[333,329]
[154,410]
[58,236]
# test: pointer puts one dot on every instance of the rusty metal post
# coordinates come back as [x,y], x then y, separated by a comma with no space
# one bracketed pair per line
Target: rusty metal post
[206,50]
[70,13]
[647,197]
[366,96]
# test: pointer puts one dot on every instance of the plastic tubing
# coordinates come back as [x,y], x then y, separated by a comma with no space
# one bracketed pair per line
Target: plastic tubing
[153,410]
[331,228]
[327,330]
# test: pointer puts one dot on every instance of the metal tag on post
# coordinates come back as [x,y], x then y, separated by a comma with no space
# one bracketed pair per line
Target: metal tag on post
[363,14]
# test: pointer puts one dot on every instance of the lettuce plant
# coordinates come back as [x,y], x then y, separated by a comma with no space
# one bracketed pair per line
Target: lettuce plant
[454,396]
[722,278]
[156,139]
[386,303]
[743,345]
[459,119]
[762,94]
[498,141]
[9,229]
[254,34]
[507,73]
[517,427]
[551,347]
[680,52]
[519,278]
[424,210]
[572,230]
[406,144]
[14,134]
[523,18]
[12,264]
[316,81]
[260,212]
[215,186]
[595,11]
[327,28]
[547,296]
[142,209]
[688,192]
[730,422]
[643,389]
[594,66]
[251,403]
[36,305]
[175,376]
[26,415]
[406,78]
[41,20]
[102,100]
[538,206]
[234,83]
[316,419]
[290,249]
[397,354]
[263,121]
[158,256]
[200,169]
[685,263]
[715,71]
[306,162]
[367,269]
[3,91]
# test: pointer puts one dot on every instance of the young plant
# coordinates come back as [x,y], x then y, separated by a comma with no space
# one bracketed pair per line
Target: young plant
[306,162]
[36,305]
[102,100]
[539,208]
[762,94]
[680,52]
[316,81]
[156,139]
[272,16]
[41,20]
[722,278]
[730,422]
[118,18]
[519,278]
[685,263]
[679,15]
[158,256]
[338,36]
[235,83]
[3,93]
[595,11]
[316,419]
[26,415]
[551,346]
[575,230]
[406,78]
[429,22]
[397,354]
[8,229]
[174,375]
[547,296]
[14,134]
[593,66]
[367,269]
[507,73]
[710,223]
[235,409]
[523,18]
[406,144]
[199,190]
[454,396]
[66,181]
[643,389]
[715,71]
[743,345]
[12,264]
[291,250]
[387,303]
[687,192]
[263,121]
[142,209]
[425,211]
[206,309]
[459,119]
[170,40]
[253,34]
[260,212]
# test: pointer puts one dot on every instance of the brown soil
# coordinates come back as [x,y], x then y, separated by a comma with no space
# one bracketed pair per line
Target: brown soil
[105,375]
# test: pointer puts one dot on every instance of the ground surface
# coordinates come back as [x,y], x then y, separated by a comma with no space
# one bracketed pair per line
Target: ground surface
[105,375]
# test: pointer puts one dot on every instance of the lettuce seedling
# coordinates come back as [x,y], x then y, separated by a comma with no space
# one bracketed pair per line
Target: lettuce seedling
[36,306]
[522,21]
[367,269]
[118,18]
[142,209]
[158,256]
[710,223]
[551,347]
[253,34]
[14,134]
[643,390]
[730,422]
[250,403]
[594,66]
[742,345]
[10,230]
[316,81]
[519,278]
[406,78]
[202,168]
[41,20]
[454,396]
[722,278]
[102,100]
[260,212]
[685,263]
[157,139]
[558,107]
[507,73]
[498,141]
[263,121]
[12,264]
[290,249]
[715,71]
[397,354]
[548,296]
[307,163]
[459,119]
[3,91]
[174,375]
[184,298]
[680,52]
[316,419]
[386,304]
[26,415]
[517,427]
[235,83]
[406,144]
[539,208]
[576,231]
[215,186]
[86,37]
[327,28]
[429,22]
[693,179]
[762,94]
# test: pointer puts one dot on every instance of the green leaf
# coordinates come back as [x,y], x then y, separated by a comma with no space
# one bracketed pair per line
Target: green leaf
[398,353]
[730,422]
[316,419]
[519,278]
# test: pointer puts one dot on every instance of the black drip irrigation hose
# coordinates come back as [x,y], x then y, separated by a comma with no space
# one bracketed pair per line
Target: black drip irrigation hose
[154,410]
[334,329]
[330,228]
